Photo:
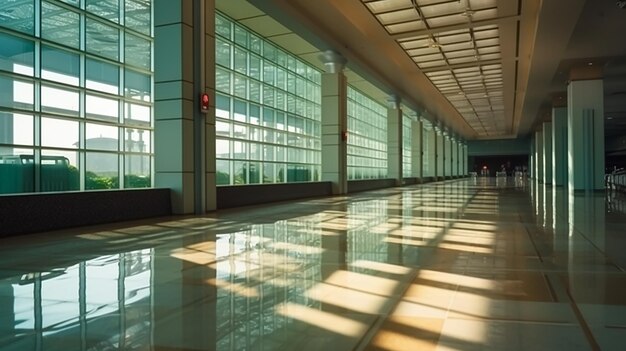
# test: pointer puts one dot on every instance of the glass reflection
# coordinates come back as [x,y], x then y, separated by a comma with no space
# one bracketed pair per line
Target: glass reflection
[97,304]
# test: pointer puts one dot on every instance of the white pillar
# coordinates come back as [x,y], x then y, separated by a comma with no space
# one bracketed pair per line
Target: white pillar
[416,149]
[547,153]
[585,120]
[539,156]
[334,122]
[559,146]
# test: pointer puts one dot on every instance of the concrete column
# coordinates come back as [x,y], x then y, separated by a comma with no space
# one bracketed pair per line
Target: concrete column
[531,168]
[394,140]
[416,150]
[440,156]
[429,156]
[334,122]
[547,153]
[559,146]
[585,122]
[447,158]
[455,158]
[464,159]
[184,140]
[539,156]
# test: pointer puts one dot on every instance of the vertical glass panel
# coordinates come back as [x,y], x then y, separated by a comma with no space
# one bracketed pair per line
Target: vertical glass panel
[241,36]
[137,171]
[16,54]
[240,86]
[101,137]
[60,65]
[59,133]
[16,129]
[59,171]
[102,39]
[60,25]
[137,15]
[59,100]
[16,93]
[137,140]
[16,170]
[222,128]
[102,76]
[137,114]
[222,80]
[222,148]
[256,44]
[18,15]
[240,172]
[108,9]
[222,53]
[254,172]
[137,51]
[241,60]
[222,106]
[222,172]
[222,26]
[137,85]
[240,109]
[268,173]
[101,171]
[102,108]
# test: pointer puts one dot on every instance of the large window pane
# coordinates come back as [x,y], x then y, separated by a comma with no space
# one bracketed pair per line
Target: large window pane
[21,18]
[101,108]
[137,85]
[16,93]
[137,140]
[138,15]
[108,9]
[101,137]
[59,170]
[16,129]
[59,133]
[101,171]
[60,25]
[16,54]
[102,39]
[58,100]
[16,170]
[102,76]
[137,51]
[137,171]
[60,65]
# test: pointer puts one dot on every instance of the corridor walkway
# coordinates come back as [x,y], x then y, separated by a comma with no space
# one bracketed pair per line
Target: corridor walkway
[474,264]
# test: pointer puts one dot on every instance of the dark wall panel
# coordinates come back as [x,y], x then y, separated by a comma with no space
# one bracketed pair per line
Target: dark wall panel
[244,195]
[21,214]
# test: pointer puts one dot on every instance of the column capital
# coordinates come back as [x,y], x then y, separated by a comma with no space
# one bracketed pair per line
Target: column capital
[588,71]
[393,101]
[333,61]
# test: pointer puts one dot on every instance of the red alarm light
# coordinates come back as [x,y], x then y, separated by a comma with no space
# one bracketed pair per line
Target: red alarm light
[204,102]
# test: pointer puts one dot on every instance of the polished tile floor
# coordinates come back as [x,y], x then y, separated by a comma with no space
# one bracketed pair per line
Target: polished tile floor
[476,264]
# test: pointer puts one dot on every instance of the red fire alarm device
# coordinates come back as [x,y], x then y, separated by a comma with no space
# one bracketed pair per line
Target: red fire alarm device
[204,102]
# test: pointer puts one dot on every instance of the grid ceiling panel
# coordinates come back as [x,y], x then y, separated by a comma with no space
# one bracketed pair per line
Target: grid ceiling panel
[459,62]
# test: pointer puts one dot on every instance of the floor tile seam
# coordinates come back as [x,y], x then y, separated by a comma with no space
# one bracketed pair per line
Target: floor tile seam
[607,257]
[514,321]
[589,336]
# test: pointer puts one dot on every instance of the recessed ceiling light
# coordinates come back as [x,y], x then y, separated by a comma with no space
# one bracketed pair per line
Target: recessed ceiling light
[589,63]
[609,117]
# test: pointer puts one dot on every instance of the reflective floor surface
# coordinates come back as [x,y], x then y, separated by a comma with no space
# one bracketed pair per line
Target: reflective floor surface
[476,264]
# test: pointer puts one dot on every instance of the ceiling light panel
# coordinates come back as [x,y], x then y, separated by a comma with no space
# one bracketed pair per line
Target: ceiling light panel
[377,6]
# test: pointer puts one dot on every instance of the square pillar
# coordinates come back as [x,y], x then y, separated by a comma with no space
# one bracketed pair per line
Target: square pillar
[585,132]
[539,156]
[559,146]
[184,142]
[547,153]
[334,123]
[439,155]
[416,149]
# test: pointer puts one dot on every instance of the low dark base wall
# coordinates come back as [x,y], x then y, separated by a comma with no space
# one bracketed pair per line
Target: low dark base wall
[410,181]
[31,213]
[429,179]
[244,195]
[369,184]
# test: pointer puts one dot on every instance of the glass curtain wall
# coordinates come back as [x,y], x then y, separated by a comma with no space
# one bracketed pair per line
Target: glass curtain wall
[367,137]
[268,110]
[75,95]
